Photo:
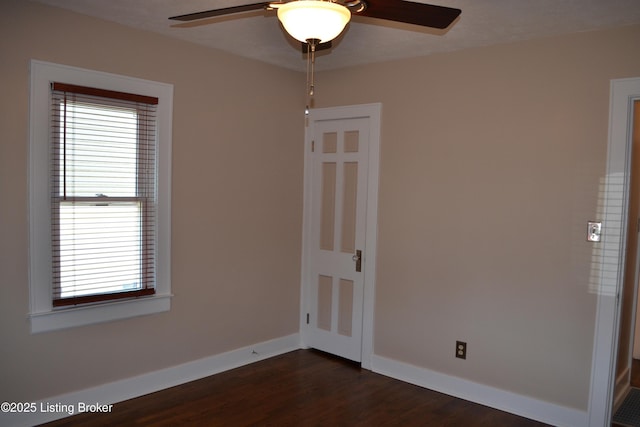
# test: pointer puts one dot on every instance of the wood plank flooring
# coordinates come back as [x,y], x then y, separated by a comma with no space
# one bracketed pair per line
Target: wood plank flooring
[301,388]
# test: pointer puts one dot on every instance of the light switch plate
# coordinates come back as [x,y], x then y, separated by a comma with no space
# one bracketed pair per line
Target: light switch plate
[594,231]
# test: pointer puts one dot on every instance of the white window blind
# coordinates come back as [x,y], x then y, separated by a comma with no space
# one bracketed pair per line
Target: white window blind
[103,194]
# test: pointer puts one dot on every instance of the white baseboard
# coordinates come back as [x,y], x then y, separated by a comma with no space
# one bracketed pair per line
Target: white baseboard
[68,404]
[57,407]
[517,404]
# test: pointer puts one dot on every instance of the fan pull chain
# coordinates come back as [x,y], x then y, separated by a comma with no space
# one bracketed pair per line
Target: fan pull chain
[308,68]
[311,60]
[306,110]
[312,54]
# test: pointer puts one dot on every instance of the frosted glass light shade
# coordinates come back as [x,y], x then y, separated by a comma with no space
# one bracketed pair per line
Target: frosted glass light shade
[313,19]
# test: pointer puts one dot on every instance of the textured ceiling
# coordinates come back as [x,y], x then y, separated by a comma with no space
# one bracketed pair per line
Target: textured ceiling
[258,35]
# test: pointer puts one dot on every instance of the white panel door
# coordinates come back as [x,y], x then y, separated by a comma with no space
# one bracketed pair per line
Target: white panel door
[335,248]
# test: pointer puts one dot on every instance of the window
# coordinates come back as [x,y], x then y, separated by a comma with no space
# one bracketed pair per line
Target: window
[102,194]
[99,196]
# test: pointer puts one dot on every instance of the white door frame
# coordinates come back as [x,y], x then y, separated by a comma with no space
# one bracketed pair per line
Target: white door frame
[609,269]
[373,112]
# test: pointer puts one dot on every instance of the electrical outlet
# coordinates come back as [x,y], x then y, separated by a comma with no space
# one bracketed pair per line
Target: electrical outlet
[461,349]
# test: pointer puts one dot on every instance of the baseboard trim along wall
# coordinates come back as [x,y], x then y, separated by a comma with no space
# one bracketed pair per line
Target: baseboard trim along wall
[58,407]
[517,404]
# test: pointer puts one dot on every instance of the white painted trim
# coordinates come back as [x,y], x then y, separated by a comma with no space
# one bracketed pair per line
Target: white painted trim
[374,113]
[88,315]
[306,234]
[42,315]
[517,404]
[371,245]
[610,267]
[130,388]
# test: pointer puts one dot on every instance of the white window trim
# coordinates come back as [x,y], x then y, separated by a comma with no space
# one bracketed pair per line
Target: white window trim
[41,312]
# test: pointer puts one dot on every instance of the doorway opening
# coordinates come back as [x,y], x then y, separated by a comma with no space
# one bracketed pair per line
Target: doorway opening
[342,147]
[627,373]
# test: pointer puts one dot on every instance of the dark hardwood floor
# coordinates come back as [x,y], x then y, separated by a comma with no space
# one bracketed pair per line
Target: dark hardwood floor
[301,388]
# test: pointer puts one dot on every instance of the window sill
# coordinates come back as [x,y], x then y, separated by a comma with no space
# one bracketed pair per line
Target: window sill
[98,313]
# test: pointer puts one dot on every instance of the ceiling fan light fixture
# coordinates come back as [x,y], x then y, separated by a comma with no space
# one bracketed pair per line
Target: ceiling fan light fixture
[313,19]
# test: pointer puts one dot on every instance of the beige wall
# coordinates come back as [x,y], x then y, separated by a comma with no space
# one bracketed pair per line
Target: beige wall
[490,168]
[237,204]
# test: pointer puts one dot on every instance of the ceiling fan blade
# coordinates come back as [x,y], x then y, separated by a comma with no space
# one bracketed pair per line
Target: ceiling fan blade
[220,12]
[426,15]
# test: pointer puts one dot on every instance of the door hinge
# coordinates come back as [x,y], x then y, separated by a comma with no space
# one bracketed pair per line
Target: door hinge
[313,146]
[307,318]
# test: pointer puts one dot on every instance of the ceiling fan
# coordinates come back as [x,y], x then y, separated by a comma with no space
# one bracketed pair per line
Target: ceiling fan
[316,22]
